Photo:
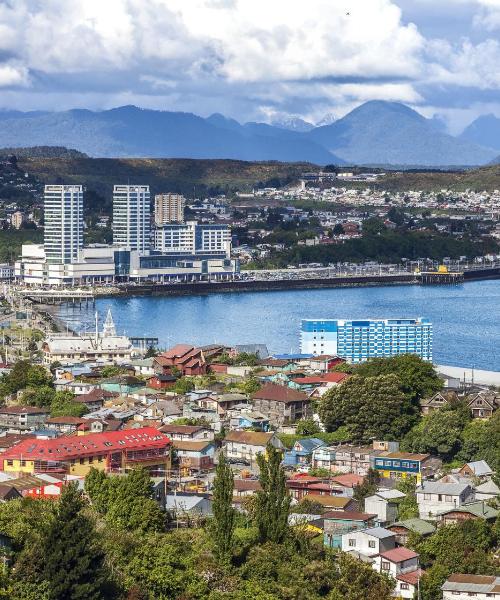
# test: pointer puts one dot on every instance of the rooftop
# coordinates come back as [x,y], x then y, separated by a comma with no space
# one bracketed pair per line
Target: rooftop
[437,487]
[459,582]
[23,410]
[65,448]
[253,438]
[279,393]
[348,515]
[399,554]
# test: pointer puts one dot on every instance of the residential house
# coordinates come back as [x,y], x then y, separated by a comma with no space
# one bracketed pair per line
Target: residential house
[384,504]
[435,498]
[437,401]
[339,522]
[245,445]
[241,416]
[246,487]
[298,484]
[112,451]
[478,468]
[143,367]
[182,359]
[368,542]
[195,455]
[344,459]
[301,452]
[324,362]
[485,491]
[480,509]
[281,404]
[188,433]
[396,465]
[483,404]
[75,387]
[402,529]
[329,502]
[95,399]
[161,382]
[64,425]
[21,419]
[460,586]
[402,565]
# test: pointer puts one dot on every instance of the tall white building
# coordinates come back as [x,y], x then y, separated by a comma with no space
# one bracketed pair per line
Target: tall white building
[169,208]
[63,214]
[131,217]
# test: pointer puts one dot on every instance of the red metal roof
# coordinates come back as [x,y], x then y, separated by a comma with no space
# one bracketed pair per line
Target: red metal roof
[348,479]
[66,448]
[412,577]
[399,554]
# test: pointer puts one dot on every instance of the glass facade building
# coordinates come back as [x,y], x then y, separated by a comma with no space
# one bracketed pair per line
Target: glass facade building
[359,340]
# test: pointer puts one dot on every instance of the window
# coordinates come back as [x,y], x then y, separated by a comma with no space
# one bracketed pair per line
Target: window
[352,543]
[427,496]
[371,544]
[386,565]
[404,586]
[448,498]
[10,463]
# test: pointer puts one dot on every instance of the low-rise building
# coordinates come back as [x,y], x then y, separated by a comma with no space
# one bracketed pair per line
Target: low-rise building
[112,451]
[478,468]
[396,465]
[402,565]
[483,404]
[339,522]
[195,455]
[369,542]
[344,459]
[64,424]
[435,498]
[182,359]
[21,419]
[188,433]
[403,529]
[245,445]
[460,586]
[437,401]
[281,404]
[301,452]
[385,505]
[331,503]
[479,509]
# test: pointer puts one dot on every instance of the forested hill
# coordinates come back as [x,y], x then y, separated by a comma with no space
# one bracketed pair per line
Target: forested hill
[201,177]
[187,176]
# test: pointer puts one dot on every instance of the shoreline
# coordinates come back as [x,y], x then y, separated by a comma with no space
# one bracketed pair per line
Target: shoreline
[242,286]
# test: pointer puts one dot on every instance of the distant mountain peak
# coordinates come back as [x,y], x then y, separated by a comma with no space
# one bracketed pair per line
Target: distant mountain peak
[328,119]
[485,130]
[292,123]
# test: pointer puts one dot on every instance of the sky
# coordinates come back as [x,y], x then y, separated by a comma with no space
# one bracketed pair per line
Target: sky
[259,60]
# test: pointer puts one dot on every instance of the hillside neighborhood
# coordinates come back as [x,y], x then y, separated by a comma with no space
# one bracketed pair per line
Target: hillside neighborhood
[390,484]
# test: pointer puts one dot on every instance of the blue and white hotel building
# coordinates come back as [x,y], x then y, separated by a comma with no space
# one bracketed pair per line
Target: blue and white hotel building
[356,341]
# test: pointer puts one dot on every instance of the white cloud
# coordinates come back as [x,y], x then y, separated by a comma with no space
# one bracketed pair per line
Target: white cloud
[13,75]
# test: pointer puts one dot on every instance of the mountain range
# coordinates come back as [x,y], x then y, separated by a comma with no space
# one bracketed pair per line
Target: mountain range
[375,133]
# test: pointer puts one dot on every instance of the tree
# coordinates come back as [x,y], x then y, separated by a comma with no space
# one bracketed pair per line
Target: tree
[367,488]
[73,563]
[183,386]
[370,407]
[151,352]
[408,507]
[439,433]
[63,405]
[417,377]
[224,514]
[338,229]
[273,500]
[307,427]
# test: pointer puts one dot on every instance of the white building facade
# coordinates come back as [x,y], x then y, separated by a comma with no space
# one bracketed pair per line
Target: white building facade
[63,214]
[131,217]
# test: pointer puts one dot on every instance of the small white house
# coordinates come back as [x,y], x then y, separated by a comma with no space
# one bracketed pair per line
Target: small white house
[487,490]
[433,498]
[245,445]
[369,542]
[402,565]
[384,504]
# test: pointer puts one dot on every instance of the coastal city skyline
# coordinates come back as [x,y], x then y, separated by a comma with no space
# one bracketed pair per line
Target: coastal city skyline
[249,300]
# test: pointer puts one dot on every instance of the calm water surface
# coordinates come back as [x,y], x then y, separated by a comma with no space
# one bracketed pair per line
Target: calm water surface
[466,318]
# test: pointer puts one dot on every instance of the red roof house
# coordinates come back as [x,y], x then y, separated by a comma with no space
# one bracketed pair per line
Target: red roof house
[187,359]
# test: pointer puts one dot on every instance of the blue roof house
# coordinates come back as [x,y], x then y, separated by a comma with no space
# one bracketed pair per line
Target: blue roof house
[301,452]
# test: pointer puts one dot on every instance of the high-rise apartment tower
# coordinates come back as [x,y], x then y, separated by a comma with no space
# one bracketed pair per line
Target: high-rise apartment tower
[131,217]
[63,215]
[169,208]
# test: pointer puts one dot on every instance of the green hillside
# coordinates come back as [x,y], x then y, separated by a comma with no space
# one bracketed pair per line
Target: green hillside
[185,176]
